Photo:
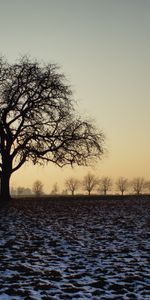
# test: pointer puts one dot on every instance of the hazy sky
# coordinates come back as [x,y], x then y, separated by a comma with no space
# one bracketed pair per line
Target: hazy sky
[103,47]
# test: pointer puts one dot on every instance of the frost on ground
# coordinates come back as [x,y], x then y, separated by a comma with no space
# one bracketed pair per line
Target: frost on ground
[75,249]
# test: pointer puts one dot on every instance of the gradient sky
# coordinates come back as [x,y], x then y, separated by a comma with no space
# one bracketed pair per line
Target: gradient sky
[103,47]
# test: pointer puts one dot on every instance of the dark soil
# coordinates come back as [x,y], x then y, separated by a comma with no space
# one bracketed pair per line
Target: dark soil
[75,248]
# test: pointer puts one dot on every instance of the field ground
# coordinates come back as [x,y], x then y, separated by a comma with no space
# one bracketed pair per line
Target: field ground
[75,248]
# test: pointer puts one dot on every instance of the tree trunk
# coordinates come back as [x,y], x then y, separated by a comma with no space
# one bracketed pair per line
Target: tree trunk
[5,189]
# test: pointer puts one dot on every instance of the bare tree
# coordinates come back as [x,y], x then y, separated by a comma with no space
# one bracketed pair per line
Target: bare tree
[20,190]
[55,189]
[64,192]
[72,184]
[13,191]
[38,122]
[90,181]
[105,184]
[122,184]
[147,186]
[138,185]
[38,188]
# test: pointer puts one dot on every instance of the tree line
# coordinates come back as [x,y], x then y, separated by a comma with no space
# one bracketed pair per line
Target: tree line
[104,185]
[90,184]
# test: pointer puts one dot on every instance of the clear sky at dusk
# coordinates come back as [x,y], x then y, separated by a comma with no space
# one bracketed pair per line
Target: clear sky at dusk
[103,47]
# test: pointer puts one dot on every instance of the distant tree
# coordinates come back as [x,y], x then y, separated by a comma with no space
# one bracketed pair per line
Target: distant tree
[38,188]
[27,191]
[20,190]
[64,192]
[55,189]
[138,185]
[147,185]
[90,181]
[105,184]
[122,184]
[72,184]
[38,121]
[13,191]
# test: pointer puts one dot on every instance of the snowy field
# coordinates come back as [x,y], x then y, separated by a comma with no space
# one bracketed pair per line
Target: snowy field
[86,248]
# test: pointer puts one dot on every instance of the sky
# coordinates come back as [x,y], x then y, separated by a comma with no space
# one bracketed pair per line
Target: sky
[103,47]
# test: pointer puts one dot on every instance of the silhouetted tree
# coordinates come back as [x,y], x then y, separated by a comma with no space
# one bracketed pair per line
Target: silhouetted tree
[90,181]
[105,184]
[147,185]
[64,192]
[38,188]
[55,189]
[38,122]
[72,184]
[138,185]
[13,191]
[22,191]
[122,184]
